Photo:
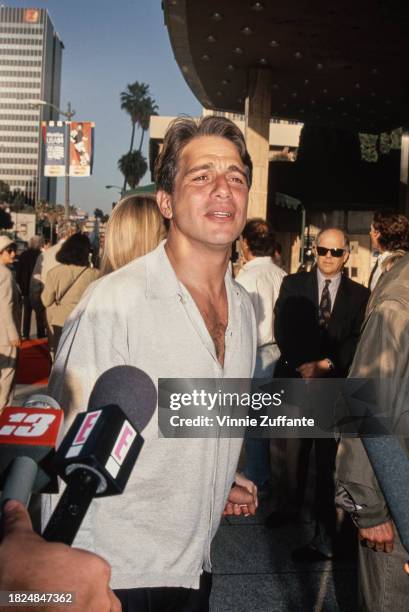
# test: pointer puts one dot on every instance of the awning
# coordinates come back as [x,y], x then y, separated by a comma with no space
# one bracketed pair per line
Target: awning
[286,201]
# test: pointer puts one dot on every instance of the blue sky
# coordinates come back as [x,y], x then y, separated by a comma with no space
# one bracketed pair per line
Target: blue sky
[107,46]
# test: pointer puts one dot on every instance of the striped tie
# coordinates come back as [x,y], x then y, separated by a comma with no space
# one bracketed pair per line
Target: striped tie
[325,306]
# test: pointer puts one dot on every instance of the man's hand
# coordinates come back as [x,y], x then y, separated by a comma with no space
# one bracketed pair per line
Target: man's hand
[380,537]
[314,369]
[241,501]
[29,563]
[16,342]
[249,485]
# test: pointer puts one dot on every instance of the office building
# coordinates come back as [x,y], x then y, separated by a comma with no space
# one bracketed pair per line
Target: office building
[30,71]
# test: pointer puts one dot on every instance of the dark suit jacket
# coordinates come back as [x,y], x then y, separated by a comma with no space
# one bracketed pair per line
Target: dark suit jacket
[296,328]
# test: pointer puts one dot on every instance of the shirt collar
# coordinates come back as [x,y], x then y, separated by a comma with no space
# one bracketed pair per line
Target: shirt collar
[334,279]
[257,261]
[382,256]
[161,280]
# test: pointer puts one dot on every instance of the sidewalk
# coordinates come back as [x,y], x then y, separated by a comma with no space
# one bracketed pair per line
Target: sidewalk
[253,571]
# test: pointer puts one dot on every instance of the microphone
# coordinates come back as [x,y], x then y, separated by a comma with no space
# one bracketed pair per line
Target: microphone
[29,435]
[99,451]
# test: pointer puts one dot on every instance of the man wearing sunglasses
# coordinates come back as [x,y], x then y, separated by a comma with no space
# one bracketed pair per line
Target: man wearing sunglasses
[10,317]
[318,317]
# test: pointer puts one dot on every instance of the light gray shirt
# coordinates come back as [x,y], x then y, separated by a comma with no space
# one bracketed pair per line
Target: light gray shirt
[159,531]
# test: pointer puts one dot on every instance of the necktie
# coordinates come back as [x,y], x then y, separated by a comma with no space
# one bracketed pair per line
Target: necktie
[325,306]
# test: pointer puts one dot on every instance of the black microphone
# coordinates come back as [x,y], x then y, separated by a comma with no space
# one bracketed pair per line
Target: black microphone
[100,449]
[29,435]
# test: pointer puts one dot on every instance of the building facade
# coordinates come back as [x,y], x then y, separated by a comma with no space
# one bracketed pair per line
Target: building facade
[30,72]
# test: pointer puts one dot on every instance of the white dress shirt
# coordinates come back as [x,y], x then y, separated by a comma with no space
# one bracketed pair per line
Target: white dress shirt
[262,280]
[377,274]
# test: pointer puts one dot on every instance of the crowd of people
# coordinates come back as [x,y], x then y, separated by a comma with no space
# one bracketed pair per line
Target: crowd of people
[165,300]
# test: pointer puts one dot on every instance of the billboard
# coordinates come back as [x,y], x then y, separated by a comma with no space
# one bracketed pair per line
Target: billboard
[31,16]
[54,140]
[81,147]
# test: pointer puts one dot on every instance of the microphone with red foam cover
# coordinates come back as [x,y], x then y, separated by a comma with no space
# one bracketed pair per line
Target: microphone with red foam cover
[29,435]
[100,449]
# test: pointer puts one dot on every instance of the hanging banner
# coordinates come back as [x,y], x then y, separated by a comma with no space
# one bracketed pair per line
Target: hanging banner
[54,140]
[81,147]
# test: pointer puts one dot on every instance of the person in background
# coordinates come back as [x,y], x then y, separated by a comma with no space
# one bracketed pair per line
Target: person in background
[46,245]
[135,228]
[25,267]
[65,284]
[318,318]
[262,279]
[10,320]
[45,262]
[389,233]
[382,355]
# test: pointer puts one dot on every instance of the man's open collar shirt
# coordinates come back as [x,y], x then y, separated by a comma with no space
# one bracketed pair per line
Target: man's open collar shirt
[159,531]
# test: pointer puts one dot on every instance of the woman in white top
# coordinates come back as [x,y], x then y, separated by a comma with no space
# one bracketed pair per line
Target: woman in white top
[262,278]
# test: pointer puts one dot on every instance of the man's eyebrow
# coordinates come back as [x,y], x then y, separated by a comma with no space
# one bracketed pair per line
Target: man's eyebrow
[234,168]
[198,168]
[209,166]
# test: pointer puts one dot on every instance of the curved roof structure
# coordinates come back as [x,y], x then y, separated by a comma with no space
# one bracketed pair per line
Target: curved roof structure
[333,63]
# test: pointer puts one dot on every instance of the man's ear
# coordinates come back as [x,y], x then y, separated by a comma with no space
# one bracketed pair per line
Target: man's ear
[164,202]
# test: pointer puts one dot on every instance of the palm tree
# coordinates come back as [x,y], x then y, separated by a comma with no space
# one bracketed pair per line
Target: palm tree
[133,166]
[149,108]
[139,105]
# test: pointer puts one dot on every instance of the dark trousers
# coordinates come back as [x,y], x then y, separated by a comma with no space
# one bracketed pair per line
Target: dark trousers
[324,487]
[27,310]
[40,317]
[165,599]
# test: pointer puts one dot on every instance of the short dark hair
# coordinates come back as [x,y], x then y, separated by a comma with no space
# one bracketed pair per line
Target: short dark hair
[393,230]
[75,250]
[184,129]
[260,237]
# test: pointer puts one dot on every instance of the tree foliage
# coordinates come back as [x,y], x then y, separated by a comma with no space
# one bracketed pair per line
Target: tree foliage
[5,220]
[98,213]
[133,166]
[4,192]
[138,103]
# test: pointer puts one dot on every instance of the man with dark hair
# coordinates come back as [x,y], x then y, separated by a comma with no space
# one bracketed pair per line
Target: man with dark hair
[389,233]
[318,318]
[382,355]
[173,313]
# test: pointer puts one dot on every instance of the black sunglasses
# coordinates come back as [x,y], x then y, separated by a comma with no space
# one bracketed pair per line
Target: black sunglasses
[322,251]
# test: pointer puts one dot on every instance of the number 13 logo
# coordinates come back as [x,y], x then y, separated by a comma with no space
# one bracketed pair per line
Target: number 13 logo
[35,425]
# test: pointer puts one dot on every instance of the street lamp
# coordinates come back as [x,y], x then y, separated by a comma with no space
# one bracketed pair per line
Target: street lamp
[69,113]
[117,187]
